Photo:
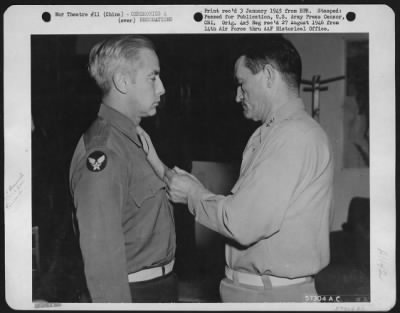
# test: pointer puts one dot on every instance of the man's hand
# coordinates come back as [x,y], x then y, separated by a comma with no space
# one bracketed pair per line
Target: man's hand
[181,184]
[151,153]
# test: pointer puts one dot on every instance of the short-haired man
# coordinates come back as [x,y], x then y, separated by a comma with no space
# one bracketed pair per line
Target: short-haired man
[277,215]
[126,225]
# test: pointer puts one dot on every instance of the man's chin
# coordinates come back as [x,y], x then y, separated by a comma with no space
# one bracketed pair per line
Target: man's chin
[152,112]
[246,114]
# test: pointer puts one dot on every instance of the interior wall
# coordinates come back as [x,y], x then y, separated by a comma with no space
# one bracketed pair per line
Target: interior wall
[325,55]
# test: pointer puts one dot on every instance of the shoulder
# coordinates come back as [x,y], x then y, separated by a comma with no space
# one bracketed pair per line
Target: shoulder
[301,126]
[300,130]
[102,135]
[98,150]
[97,135]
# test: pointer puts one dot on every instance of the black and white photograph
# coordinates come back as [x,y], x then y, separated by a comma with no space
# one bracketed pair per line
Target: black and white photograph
[200,169]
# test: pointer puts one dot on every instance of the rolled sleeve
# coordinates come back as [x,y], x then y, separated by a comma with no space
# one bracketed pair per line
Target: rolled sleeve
[98,198]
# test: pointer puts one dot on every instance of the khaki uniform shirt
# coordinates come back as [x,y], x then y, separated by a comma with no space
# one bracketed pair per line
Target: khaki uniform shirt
[278,213]
[125,220]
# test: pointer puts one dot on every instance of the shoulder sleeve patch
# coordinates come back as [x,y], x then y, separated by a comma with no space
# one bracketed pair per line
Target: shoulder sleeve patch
[96,161]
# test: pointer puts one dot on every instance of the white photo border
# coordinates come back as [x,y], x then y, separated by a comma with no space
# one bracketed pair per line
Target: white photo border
[20,22]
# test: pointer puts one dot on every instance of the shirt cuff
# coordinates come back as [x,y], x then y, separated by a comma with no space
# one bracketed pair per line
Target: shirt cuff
[197,195]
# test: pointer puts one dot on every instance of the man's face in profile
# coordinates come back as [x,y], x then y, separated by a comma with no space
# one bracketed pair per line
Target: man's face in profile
[250,91]
[145,88]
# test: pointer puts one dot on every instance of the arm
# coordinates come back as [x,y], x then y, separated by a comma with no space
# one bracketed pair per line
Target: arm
[256,210]
[98,197]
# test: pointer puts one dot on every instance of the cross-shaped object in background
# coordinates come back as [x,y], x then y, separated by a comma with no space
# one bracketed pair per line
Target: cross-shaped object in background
[315,88]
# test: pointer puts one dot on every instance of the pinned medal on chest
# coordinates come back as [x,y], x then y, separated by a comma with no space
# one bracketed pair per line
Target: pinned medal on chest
[96,161]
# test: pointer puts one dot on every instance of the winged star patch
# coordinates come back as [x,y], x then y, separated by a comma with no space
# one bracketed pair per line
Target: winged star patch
[96,161]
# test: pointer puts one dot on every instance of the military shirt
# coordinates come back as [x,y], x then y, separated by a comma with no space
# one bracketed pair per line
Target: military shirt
[278,212]
[125,220]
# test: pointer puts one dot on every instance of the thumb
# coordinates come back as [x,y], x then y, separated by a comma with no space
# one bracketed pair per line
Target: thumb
[179,171]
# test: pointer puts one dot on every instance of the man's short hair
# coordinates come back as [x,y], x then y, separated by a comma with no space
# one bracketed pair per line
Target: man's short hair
[110,55]
[277,51]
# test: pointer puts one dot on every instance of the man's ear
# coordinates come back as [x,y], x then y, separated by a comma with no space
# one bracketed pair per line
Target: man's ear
[120,81]
[269,74]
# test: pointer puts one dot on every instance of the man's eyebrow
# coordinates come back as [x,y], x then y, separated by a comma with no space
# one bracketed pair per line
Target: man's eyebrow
[154,72]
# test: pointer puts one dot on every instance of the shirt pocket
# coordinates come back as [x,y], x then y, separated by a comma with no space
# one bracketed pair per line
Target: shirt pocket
[145,188]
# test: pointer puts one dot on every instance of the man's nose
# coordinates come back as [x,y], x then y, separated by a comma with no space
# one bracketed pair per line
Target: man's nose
[239,94]
[160,87]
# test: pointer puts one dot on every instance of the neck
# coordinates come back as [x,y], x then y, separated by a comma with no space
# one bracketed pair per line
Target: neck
[119,104]
[280,99]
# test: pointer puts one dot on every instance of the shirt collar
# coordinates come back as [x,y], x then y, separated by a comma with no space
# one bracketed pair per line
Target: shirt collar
[119,121]
[286,111]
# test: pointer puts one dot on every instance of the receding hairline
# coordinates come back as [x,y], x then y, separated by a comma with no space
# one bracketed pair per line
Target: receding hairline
[138,63]
[242,61]
[239,60]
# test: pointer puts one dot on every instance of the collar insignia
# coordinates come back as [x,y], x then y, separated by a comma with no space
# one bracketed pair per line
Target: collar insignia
[270,122]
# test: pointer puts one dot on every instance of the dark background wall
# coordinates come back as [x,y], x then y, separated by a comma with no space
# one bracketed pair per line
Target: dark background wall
[197,119]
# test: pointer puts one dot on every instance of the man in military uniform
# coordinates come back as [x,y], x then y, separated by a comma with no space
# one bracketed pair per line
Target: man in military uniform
[126,224]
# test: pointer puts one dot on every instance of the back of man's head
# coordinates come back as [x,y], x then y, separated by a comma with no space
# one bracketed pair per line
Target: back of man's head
[277,51]
[114,54]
